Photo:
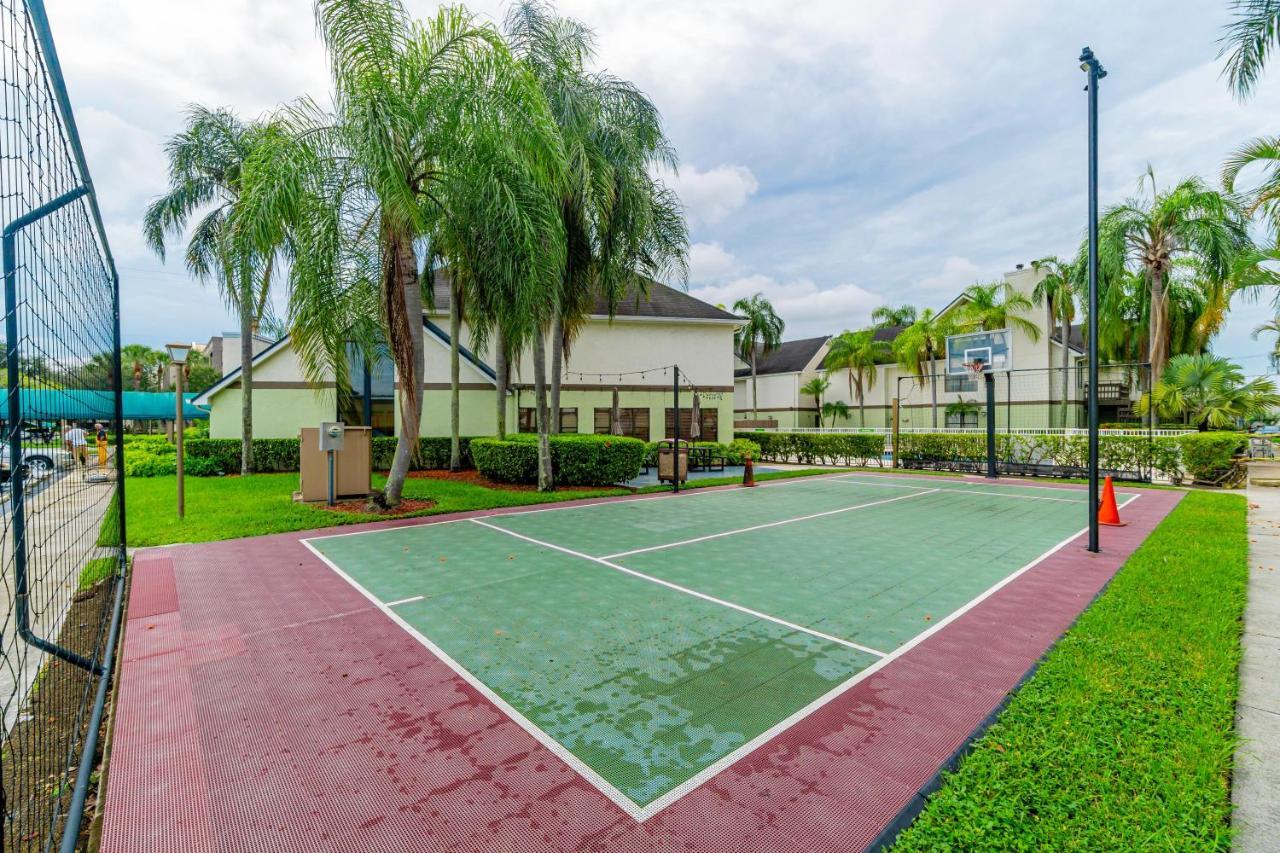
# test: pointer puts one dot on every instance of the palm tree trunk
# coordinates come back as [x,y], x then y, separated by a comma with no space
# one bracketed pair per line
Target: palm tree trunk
[933,389]
[1158,335]
[500,368]
[455,402]
[557,361]
[402,296]
[862,408]
[545,480]
[1048,358]
[755,412]
[260,307]
[1066,369]
[246,384]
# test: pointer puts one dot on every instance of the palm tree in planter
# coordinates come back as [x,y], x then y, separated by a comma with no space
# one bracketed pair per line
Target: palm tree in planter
[1209,392]
[1187,225]
[1056,292]
[206,171]
[859,354]
[815,388]
[440,142]
[918,345]
[760,335]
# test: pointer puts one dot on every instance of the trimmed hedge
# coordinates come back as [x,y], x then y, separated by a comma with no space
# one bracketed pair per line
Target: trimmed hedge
[209,457]
[576,459]
[847,448]
[733,453]
[1199,456]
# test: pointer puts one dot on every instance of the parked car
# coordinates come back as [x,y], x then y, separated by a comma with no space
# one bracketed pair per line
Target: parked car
[39,461]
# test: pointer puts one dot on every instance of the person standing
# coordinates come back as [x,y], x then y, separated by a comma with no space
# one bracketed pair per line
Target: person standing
[100,435]
[77,442]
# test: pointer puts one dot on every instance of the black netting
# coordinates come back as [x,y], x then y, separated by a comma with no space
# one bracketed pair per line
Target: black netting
[62,557]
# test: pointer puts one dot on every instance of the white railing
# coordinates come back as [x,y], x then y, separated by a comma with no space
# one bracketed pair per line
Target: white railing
[1069,431]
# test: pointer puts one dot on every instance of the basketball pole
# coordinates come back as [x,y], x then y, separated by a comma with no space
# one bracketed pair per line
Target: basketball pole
[990,381]
[1090,65]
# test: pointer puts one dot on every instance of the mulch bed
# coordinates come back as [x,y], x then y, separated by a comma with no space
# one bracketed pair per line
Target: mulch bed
[360,505]
[472,477]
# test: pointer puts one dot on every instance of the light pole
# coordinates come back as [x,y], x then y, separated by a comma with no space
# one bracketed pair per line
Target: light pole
[1091,66]
[178,355]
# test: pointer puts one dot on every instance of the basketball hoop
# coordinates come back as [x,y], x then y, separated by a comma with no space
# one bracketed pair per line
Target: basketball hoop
[976,368]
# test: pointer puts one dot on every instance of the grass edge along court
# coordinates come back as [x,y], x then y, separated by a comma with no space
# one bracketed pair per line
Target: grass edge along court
[459,650]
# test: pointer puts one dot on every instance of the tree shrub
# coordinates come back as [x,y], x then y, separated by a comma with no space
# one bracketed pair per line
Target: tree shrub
[433,452]
[1209,455]
[808,448]
[576,459]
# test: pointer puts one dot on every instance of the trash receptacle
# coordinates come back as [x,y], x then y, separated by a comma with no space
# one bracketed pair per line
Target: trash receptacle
[673,460]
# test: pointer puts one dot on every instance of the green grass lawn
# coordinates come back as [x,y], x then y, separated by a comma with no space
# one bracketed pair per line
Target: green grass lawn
[1123,739]
[230,507]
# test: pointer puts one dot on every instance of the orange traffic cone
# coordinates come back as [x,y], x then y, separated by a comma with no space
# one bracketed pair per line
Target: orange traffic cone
[1109,512]
[748,471]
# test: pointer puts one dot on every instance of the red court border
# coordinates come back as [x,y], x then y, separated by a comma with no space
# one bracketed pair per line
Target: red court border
[264,704]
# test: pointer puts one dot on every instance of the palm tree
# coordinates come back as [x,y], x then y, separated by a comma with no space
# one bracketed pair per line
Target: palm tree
[995,306]
[1273,327]
[622,225]
[1207,391]
[1056,291]
[760,335]
[859,354]
[888,315]
[816,387]
[835,409]
[1263,152]
[919,344]
[440,142]
[1249,39]
[1188,224]
[206,167]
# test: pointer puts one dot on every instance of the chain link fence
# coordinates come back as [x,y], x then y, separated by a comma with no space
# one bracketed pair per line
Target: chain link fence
[1039,418]
[62,561]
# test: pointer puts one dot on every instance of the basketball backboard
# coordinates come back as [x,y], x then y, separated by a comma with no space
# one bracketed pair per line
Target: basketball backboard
[994,349]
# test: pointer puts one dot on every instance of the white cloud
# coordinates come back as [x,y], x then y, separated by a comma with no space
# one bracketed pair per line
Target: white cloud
[807,309]
[710,262]
[712,195]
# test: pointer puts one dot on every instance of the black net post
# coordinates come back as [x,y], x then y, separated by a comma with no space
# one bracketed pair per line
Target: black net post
[989,381]
[62,564]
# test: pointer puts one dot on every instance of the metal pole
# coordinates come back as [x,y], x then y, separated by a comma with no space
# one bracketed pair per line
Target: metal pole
[991,425]
[675,402]
[1096,72]
[178,428]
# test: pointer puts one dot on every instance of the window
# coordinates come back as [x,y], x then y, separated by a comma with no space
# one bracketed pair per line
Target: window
[960,384]
[529,423]
[964,419]
[710,423]
[635,422]
[371,399]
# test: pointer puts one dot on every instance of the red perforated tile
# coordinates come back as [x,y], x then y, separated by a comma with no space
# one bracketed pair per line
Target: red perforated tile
[277,710]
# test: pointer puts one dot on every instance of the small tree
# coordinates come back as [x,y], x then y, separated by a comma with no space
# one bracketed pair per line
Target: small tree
[761,334]
[816,387]
[1208,391]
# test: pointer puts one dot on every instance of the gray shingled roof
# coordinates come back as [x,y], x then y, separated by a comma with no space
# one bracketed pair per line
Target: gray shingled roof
[789,357]
[661,301]
[1075,339]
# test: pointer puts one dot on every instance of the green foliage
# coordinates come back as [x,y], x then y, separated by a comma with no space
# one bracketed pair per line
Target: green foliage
[1208,390]
[1208,455]
[433,453]
[576,459]
[733,453]
[1123,738]
[96,570]
[855,449]
[144,464]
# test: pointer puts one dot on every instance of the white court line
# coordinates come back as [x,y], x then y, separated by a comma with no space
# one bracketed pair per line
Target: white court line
[643,813]
[845,481]
[408,600]
[918,493]
[602,784]
[424,521]
[686,590]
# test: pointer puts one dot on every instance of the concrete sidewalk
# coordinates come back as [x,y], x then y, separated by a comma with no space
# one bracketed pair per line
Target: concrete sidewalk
[1256,788]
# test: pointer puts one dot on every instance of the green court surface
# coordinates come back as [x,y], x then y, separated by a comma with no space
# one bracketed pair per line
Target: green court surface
[649,642]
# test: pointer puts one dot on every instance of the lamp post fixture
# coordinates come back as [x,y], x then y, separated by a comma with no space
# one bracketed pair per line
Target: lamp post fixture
[1091,66]
[178,355]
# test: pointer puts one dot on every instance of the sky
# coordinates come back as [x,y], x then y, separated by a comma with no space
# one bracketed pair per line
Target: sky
[834,156]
